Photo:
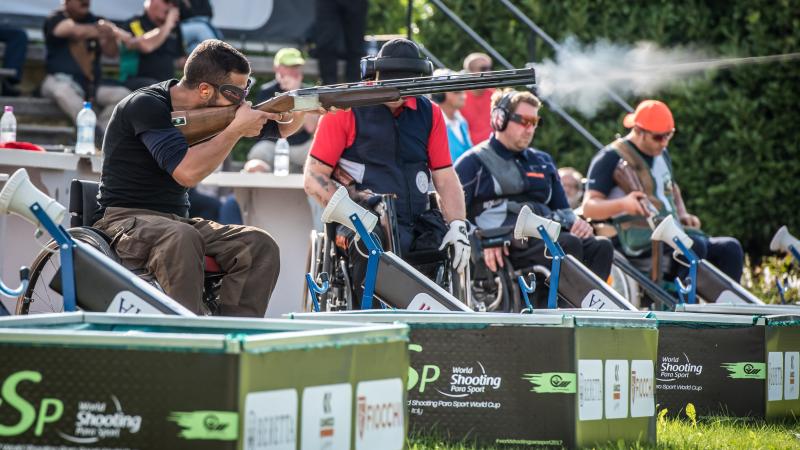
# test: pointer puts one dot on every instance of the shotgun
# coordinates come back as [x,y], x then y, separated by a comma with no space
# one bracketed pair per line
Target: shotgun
[200,124]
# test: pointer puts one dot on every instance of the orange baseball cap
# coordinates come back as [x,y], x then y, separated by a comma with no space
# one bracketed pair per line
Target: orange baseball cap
[651,115]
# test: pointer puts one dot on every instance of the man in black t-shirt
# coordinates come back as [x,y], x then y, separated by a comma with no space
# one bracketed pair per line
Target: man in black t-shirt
[148,167]
[157,48]
[75,40]
[644,149]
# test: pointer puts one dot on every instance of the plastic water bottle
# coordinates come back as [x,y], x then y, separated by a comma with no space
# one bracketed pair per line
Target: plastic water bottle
[8,126]
[280,164]
[86,122]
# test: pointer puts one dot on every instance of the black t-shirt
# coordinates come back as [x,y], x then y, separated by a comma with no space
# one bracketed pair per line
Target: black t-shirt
[141,150]
[160,63]
[59,58]
[196,8]
[269,90]
[601,170]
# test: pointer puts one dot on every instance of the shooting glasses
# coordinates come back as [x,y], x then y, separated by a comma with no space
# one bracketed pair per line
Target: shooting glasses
[525,120]
[233,93]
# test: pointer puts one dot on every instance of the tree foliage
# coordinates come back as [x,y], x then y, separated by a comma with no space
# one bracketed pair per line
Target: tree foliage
[737,149]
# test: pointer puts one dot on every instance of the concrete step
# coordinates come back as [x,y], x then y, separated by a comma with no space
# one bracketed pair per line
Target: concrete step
[34,107]
[46,134]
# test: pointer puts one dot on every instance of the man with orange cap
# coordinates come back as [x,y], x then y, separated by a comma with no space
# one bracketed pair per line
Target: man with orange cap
[644,149]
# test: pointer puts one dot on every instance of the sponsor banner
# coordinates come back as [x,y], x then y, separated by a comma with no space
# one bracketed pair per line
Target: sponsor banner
[327,414]
[380,415]
[790,361]
[590,389]
[716,369]
[270,420]
[642,388]
[775,380]
[84,398]
[616,389]
[491,383]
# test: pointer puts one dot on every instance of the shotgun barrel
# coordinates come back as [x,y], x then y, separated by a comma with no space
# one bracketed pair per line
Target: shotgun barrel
[200,124]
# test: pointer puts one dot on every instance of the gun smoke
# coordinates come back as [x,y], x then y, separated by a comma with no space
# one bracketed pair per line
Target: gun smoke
[582,76]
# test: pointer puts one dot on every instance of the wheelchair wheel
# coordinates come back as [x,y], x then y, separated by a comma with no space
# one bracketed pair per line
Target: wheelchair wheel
[624,285]
[40,297]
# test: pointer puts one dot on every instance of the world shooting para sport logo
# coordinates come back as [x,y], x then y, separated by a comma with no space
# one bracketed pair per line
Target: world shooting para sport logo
[552,382]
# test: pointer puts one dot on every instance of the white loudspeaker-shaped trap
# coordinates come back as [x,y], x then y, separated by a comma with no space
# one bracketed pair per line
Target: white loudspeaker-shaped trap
[667,230]
[19,194]
[528,222]
[341,207]
[783,240]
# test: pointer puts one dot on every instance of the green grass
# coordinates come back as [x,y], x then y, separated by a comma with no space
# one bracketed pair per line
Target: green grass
[709,433]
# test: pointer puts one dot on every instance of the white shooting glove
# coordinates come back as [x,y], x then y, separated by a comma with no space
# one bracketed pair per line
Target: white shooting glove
[457,237]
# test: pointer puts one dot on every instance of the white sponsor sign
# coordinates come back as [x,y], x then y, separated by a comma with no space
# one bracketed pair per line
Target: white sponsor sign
[270,420]
[327,415]
[590,389]
[380,415]
[790,391]
[643,402]
[126,302]
[596,299]
[774,376]
[616,388]
[424,302]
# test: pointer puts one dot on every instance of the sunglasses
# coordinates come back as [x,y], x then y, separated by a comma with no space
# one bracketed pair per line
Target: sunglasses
[525,120]
[661,137]
[233,93]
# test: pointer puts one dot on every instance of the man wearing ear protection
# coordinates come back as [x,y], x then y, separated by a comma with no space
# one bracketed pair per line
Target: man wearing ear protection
[645,149]
[148,168]
[503,174]
[396,148]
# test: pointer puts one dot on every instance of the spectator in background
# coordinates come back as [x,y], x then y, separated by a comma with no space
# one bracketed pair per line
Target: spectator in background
[337,19]
[572,180]
[157,48]
[196,23]
[457,129]
[16,41]
[288,64]
[477,107]
[74,40]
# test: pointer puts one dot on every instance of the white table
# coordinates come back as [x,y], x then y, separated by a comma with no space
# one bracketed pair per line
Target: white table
[279,206]
[52,173]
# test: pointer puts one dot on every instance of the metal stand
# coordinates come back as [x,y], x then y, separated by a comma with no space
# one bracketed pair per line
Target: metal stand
[783,285]
[795,253]
[65,246]
[526,289]
[374,249]
[687,294]
[555,270]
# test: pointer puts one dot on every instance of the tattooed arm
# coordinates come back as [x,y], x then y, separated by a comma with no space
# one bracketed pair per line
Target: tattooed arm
[317,180]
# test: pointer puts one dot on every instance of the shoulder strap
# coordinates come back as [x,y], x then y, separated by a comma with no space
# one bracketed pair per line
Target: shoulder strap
[504,171]
[626,151]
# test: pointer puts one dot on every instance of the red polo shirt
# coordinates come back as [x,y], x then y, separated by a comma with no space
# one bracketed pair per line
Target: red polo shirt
[477,111]
[337,131]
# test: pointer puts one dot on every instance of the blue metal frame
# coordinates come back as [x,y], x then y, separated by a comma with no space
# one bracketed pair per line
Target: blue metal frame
[316,289]
[691,291]
[526,289]
[555,270]
[795,252]
[65,246]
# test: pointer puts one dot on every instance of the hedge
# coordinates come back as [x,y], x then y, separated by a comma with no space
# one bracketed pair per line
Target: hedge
[737,149]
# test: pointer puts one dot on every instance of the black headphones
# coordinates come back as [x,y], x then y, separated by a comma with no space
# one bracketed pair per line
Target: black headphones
[370,65]
[501,111]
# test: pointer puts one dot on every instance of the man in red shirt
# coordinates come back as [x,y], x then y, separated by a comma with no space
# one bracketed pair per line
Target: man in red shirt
[399,148]
[478,106]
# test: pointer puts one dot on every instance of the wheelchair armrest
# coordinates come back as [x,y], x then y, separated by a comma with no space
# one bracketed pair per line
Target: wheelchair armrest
[494,237]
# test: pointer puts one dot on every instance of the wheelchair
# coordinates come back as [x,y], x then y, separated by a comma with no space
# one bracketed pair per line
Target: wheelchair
[328,264]
[43,294]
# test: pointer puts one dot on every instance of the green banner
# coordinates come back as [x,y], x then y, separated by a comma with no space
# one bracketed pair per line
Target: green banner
[552,382]
[210,425]
[746,370]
